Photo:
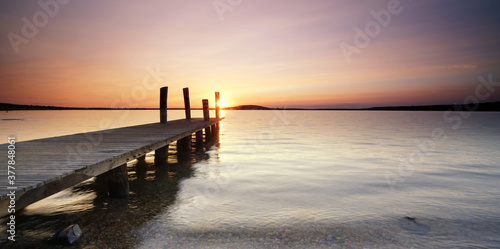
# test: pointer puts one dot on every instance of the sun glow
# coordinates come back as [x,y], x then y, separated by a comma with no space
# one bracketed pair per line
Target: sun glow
[222,103]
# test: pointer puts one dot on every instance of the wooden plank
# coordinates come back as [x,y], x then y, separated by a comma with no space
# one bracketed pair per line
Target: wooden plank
[47,166]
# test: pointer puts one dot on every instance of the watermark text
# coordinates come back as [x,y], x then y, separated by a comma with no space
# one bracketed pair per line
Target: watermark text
[11,177]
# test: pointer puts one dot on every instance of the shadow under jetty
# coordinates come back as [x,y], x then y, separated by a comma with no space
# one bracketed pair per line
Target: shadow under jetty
[108,222]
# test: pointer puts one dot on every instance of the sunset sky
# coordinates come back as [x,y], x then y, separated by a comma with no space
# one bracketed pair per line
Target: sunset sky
[275,53]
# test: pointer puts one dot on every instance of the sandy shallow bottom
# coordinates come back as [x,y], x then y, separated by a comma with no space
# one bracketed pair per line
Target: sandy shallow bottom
[279,190]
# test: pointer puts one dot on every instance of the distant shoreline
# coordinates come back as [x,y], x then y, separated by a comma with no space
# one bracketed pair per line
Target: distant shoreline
[482,107]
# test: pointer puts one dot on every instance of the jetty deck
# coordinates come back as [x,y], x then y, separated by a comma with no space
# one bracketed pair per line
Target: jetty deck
[46,166]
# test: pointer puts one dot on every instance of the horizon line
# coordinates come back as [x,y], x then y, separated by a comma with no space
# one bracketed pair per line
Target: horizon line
[240,107]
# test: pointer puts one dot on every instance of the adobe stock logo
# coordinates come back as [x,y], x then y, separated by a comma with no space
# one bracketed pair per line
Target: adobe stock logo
[30,28]
[362,38]
[221,7]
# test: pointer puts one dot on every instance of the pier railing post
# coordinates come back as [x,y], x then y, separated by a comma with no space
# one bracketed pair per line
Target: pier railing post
[217,106]
[163,104]
[187,106]
[206,111]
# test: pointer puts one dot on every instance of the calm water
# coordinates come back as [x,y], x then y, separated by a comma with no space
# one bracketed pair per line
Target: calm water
[288,179]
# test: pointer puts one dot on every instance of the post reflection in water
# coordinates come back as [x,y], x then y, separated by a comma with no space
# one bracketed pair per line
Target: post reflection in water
[108,222]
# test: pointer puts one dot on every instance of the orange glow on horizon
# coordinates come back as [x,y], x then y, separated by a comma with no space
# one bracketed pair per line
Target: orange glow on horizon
[222,103]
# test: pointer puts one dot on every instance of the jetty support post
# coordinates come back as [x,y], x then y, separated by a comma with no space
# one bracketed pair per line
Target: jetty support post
[141,167]
[161,155]
[101,183]
[217,106]
[187,105]
[199,140]
[214,130]
[184,144]
[163,104]
[118,186]
[216,126]
[208,135]
[113,183]
[206,117]
[184,148]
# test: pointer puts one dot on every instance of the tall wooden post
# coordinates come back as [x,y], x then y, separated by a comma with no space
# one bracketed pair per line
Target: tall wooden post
[163,104]
[217,106]
[187,106]
[206,111]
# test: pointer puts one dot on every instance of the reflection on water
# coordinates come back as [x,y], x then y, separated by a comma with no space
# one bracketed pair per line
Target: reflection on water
[299,179]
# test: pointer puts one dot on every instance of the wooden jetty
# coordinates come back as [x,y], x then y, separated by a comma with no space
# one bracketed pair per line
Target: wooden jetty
[46,166]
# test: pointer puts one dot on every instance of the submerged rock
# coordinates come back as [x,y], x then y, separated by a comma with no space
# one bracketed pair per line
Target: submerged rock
[67,236]
[411,224]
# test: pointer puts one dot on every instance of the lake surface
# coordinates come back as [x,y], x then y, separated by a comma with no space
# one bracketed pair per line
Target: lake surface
[288,179]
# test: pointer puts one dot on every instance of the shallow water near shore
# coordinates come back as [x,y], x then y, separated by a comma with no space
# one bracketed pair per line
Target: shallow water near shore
[286,179]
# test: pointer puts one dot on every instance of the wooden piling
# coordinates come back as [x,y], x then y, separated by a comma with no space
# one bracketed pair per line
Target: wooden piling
[101,184]
[187,105]
[161,155]
[163,104]
[206,111]
[141,167]
[208,134]
[118,182]
[184,148]
[213,130]
[217,106]
[199,140]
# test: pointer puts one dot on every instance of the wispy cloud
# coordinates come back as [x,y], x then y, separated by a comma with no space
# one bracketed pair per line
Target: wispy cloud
[264,52]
